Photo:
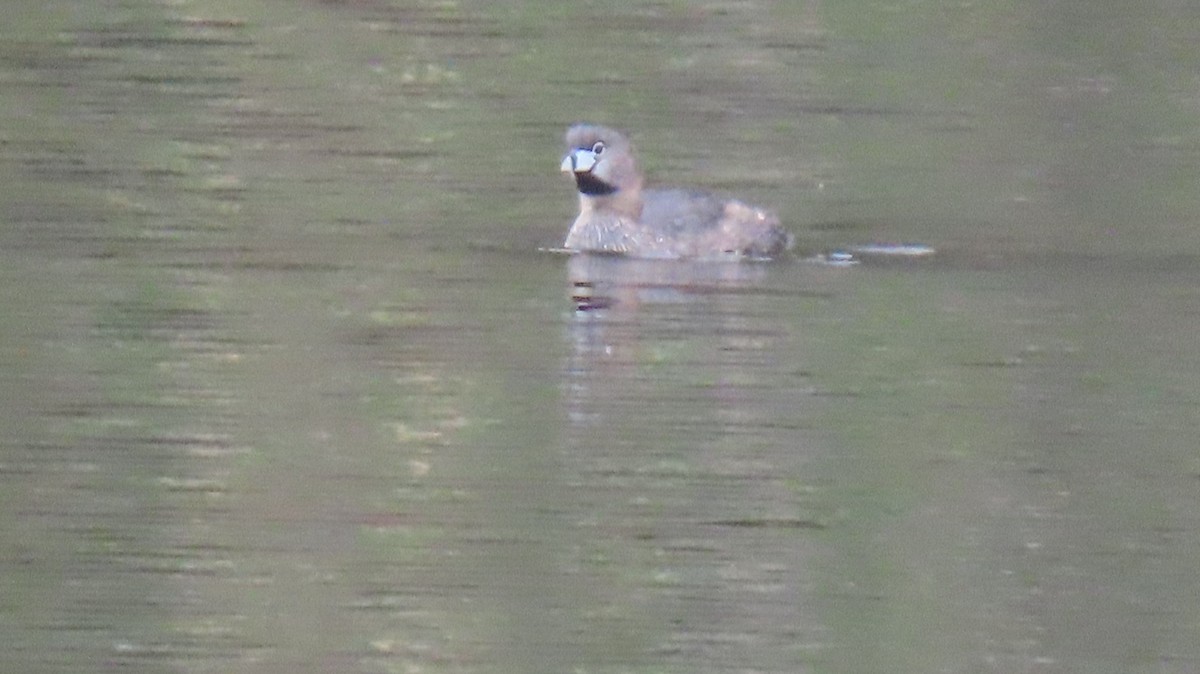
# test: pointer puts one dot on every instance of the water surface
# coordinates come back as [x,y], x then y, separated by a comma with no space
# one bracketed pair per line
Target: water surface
[290,387]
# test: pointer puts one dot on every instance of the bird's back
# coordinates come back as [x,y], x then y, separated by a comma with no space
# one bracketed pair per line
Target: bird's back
[700,224]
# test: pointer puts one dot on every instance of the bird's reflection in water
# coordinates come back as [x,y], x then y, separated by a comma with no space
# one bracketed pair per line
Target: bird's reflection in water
[620,283]
[643,331]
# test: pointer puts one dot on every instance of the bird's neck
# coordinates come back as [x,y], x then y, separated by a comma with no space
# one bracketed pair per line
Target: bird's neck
[625,202]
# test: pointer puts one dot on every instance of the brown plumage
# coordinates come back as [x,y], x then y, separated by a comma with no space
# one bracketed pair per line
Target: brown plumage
[616,215]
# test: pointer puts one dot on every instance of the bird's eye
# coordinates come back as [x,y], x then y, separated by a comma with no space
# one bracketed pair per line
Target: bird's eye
[598,147]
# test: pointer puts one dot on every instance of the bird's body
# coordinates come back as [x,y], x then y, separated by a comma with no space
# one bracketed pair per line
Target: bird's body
[616,215]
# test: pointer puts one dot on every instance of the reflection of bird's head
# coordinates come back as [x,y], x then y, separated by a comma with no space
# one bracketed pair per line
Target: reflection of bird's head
[601,161]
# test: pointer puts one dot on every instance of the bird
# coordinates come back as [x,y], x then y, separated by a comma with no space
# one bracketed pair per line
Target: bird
[617,215]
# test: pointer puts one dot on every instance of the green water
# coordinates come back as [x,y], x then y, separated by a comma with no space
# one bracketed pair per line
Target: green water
[289,387]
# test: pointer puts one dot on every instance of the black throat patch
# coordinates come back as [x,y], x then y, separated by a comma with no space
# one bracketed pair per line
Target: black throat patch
[592,186]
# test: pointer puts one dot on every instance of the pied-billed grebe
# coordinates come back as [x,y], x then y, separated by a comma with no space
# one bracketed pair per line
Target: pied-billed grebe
[617,216]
